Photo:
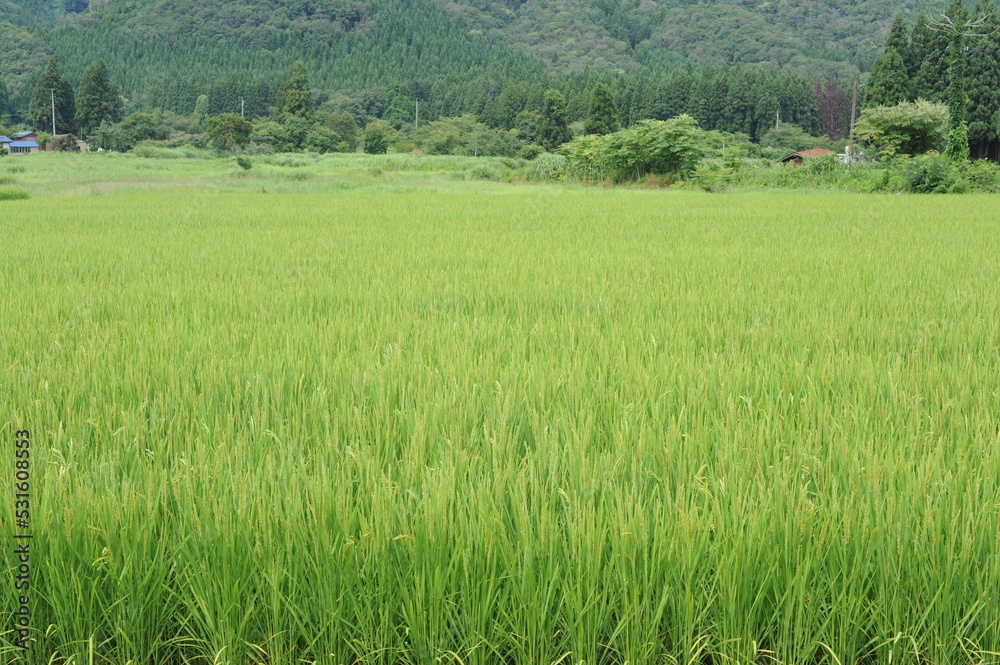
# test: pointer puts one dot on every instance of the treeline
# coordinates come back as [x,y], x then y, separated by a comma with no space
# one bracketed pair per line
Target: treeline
[374,59]
[933,61]
[736,100]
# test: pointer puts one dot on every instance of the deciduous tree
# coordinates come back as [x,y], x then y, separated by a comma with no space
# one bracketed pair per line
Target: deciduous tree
[229,131]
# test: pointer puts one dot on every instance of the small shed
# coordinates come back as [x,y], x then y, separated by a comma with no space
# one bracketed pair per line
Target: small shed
[5,142]
[23,147]
[797,158]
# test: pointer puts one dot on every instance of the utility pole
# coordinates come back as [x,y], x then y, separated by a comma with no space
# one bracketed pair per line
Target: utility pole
[53,92]
[416,113]
[777,119]
[854,109]
[241,106]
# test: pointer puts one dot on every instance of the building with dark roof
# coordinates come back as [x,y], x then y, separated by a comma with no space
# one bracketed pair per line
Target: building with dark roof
[797,158]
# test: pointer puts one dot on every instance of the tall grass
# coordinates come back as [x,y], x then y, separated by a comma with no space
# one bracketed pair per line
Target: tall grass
[601,427]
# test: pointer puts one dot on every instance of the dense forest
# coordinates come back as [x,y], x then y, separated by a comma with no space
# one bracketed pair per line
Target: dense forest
[375,60]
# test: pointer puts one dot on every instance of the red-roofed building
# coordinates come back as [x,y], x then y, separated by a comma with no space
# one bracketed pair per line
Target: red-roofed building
[796,158]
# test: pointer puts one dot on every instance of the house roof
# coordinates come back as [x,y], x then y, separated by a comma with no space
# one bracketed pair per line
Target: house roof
[23,144]
[21,135]
[4,139]
[812,153]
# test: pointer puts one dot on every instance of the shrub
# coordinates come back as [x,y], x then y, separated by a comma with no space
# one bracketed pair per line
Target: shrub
[487,172]
[244,162]
[931,174]
[375,143]
[982,176]
[547,167]
[530,151]
[651,146]
[710,176]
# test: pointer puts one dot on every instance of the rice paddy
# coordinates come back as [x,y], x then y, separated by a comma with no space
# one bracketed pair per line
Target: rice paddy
[534,426]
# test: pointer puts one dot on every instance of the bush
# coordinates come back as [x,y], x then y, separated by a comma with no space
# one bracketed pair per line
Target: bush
[547,167]
[11,194]
[658,147]
[983,176]
[530,151]
[375,141]
[487,171]
[931,174]
[150,148]
[244,162]
[135,128]
[710,176]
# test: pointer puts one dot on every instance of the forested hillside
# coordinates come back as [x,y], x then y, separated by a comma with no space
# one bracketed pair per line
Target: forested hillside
[738,67]
[811,37]
[370,58]
[816,38]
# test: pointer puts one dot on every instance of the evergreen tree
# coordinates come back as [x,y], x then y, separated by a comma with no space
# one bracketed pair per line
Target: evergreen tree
[98,101]
[929,75]
[983,82]
[40,107]
[739,110]
[553,130]
[5,106]
[899,39]
[887,85]
[602,117]
[68,109]
[294,95]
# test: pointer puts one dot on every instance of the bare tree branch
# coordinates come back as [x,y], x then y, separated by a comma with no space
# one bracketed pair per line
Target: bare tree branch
[967,29]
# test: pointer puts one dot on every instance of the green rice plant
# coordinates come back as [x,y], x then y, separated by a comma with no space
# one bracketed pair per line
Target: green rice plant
[523,425]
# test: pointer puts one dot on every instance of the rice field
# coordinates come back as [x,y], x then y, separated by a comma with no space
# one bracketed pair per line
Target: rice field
[516,427]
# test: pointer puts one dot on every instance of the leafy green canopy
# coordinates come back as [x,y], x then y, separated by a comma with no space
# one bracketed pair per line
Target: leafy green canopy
[910,128]
[229,131]
[649,147]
